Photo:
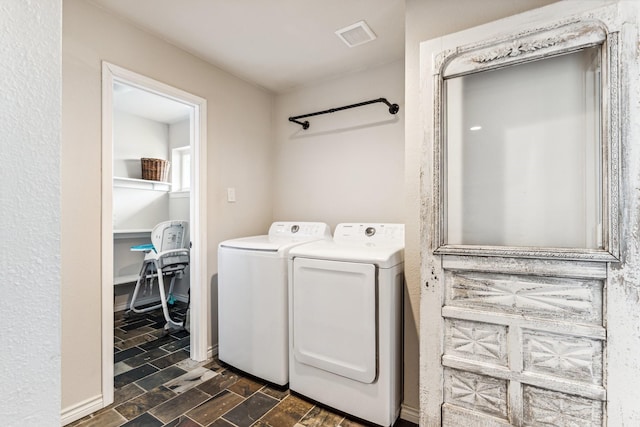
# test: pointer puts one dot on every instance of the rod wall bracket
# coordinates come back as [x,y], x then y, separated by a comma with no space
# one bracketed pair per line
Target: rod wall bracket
[393,109]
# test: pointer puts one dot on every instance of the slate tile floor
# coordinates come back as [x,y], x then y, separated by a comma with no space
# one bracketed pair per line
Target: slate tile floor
[156,384]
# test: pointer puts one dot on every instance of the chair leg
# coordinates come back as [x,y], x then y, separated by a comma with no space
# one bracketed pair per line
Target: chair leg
[141,277]
[163,299]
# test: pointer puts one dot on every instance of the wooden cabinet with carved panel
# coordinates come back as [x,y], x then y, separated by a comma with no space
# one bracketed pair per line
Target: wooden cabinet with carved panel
[528,184]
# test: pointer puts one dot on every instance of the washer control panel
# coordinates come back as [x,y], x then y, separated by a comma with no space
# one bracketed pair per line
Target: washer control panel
[377,234]
[301,230]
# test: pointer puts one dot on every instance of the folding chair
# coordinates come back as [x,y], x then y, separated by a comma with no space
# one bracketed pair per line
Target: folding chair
[166,256]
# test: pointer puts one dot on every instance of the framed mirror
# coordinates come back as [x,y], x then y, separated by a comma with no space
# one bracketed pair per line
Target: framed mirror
[526,147]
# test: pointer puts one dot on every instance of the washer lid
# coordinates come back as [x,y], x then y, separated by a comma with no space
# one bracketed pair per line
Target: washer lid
[282,236]
[384,256]
[254,243]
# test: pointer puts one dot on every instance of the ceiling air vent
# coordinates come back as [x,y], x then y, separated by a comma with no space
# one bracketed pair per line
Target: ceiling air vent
[356,34]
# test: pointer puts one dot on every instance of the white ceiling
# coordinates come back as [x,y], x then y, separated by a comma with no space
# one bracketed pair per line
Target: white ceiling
[149,105]
[276,44]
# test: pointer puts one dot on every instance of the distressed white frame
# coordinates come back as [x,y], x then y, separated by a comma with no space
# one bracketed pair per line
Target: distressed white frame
[526,46]
[200,327]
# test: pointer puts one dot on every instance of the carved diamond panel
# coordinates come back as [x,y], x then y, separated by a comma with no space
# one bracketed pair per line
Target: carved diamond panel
[543,297]
[550,408]
[574,358]
[476,341]
[480,393]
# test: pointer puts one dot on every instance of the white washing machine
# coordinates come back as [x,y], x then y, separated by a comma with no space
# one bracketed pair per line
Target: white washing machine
[345,320]
[252,298]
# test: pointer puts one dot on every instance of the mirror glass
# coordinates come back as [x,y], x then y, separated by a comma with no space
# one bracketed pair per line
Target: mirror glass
[523,154]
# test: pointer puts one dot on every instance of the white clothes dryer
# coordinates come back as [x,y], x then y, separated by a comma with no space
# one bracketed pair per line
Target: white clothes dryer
[252,298]
[345,320]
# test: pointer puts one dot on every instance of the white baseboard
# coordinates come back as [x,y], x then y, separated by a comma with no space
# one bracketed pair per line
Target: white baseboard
[212,351]
[410,414]
[82,409]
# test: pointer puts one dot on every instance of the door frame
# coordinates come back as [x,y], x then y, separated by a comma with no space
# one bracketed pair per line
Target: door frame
[200,298]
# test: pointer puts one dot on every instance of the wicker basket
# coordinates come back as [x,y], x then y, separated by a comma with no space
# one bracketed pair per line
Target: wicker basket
[155,169]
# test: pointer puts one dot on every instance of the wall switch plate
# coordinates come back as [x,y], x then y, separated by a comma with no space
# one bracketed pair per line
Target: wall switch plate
[231,195]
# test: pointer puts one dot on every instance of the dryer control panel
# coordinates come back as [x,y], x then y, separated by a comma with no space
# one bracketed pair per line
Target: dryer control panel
[378,234]
[302,230]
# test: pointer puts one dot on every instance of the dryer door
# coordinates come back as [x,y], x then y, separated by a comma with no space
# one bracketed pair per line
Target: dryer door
[334,317]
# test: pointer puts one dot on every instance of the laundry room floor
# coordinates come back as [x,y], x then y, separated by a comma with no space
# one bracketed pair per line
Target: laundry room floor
[156,384]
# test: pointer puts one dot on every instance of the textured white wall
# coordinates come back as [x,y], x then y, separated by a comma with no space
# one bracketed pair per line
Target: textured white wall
[30,77]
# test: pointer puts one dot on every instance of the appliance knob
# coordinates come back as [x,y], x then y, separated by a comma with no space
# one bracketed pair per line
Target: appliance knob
[370,231]
[295,228]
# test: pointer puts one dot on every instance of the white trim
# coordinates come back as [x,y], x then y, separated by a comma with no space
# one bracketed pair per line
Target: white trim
[179,194]
[198,217]
[79,410]
[107,236]
[199,289]
[409,413]
[212,351]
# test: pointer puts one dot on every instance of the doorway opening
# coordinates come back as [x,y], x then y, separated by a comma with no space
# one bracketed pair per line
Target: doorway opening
[142,117]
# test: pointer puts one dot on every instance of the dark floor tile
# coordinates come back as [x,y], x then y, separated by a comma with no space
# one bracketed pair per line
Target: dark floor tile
[125,393]
[170,359]
[183,421]
[215,407]
[136,341]
[287,413]
[250,410]
[125,335]
[275,392]
[177,345]
[108,418]
[154,380]
[404,423]
[193,378]
[221,422]
[180,334]
[145,357]
[141,404]
[157,318]
[218,383]
[133,375]
[166,339]
[245,387]
[125,354]
[179,405]
[135,325]
[214,365]
[119,315]
[352,423]
[320,417]
[144,420]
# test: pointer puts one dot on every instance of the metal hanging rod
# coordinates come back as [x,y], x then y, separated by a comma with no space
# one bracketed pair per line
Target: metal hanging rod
[393,109]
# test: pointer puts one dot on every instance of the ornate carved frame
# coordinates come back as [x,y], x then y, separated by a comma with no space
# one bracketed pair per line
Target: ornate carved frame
[539,43]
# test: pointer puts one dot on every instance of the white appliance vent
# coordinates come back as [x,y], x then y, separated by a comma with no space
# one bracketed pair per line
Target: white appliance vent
[356,34]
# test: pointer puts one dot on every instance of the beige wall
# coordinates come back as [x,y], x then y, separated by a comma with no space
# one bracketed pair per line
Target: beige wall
[425,20]
[241,154]
[348,166]
[239,151]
